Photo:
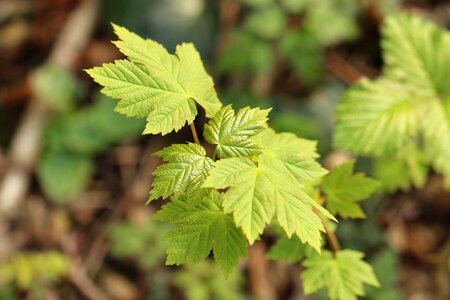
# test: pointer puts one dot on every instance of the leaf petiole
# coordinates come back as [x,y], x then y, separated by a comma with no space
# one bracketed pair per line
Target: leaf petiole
[194,133]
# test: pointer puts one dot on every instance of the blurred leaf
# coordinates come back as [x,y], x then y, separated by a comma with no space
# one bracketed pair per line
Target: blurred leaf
[297,123]
[304,53]
[204,281]
[111,126]
[268,22]
[291,250]
[408,167]
[387,7]
[29,269]
[56,86]
[258,3]
[378,117]
[344,190]
[294,6]
[362,235]
[386,268]
[142,242]
[64,175]
[8,292]
[245,53]
[73,133]
[91,129]
[343,274]
[332,21]
[408,43]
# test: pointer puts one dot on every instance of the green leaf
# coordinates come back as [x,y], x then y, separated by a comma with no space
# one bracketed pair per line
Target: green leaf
[245,53]
[56,86]
[156,85]
[294,6]
[199,228]
[101,115]
[203,281]
[258,3]
[248,196]
[186,167]
[268,22]
[304,53]
[343,274]
[344,190]
[416,53]
[377,117]
[437,137]
[291,250]
[259,191]
[34,268]
[64,175]
[231,133]
[332,21]
[291,155]
[88,131]
[386,268]
[407,167]
[131,240]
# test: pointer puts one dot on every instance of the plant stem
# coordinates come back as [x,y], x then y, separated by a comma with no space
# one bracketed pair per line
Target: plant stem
[334,244]
[194,133]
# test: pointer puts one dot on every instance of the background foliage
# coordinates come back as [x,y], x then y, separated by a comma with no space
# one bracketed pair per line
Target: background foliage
[83,208]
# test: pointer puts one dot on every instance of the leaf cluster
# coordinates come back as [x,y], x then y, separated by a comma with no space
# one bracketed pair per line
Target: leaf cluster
[220,203]
[403,116]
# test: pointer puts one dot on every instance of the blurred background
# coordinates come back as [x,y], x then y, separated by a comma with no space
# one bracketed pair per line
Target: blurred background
[75,175]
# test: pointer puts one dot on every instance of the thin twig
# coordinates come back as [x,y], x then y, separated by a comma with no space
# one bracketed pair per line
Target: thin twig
[334,243]
[194,133]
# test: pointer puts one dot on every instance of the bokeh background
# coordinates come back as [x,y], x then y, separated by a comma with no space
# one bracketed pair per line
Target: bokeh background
[75,175]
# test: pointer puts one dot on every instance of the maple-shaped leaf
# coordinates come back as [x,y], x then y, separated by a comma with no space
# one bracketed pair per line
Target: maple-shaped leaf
[291,155]
[200,228]
[265,187]
[231,132]
[377,117]
[343,274]
[249,197]
[344,190]
[186,168]
[156,85]
[416,53]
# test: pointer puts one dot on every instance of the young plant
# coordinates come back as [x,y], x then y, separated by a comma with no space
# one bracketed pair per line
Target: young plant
[255,176]
[403,118]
